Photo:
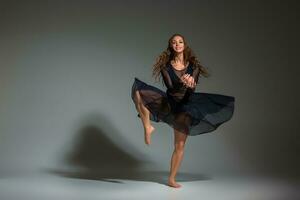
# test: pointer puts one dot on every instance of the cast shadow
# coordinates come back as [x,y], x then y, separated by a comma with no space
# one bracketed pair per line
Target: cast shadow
[99,158]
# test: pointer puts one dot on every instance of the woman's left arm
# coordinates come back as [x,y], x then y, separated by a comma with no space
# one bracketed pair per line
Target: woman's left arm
[191,80]
[196,73]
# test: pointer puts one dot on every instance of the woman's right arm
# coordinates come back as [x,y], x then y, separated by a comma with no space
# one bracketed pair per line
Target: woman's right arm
[166,78]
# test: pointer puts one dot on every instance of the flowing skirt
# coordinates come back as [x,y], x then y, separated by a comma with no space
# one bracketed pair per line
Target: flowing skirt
[202,113]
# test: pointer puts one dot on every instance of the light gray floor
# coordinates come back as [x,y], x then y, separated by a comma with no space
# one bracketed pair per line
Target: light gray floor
[54,186]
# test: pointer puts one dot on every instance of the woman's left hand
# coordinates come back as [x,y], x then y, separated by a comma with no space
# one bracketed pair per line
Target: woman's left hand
[188,80]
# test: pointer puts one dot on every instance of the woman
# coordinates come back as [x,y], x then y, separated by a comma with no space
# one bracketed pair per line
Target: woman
[186,111]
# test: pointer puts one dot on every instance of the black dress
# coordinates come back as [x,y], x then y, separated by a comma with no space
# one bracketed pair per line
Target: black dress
[182,108]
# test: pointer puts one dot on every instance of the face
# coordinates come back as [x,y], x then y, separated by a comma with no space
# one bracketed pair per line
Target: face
[177,44]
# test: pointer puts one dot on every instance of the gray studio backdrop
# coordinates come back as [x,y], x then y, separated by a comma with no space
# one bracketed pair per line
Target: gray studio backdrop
[67,67]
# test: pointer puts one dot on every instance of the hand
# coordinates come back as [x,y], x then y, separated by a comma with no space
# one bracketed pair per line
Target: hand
[188,80]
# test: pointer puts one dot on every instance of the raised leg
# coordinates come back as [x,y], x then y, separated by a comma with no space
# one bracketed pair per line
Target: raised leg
[145,117]
[177,156]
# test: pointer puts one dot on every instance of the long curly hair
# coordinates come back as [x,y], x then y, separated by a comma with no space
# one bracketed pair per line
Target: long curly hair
[169,54]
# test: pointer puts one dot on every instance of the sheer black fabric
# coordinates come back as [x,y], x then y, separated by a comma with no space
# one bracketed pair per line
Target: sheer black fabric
[182,108]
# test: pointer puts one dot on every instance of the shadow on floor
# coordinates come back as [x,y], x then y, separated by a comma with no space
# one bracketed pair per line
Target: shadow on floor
[160,177]
[100,158]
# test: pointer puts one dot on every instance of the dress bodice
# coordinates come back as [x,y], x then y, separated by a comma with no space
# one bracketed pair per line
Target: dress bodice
[176,90]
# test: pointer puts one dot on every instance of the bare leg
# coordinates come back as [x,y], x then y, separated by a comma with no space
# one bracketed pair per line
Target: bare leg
[145,117]
[180,139]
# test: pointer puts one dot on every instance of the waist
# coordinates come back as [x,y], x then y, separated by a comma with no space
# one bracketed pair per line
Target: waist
[178,97]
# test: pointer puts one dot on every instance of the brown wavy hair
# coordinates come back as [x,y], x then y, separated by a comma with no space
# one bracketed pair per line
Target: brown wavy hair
[169,54]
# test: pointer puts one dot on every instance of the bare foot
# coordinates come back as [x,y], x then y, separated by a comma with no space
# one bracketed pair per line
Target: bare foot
[173,183]
[148,131]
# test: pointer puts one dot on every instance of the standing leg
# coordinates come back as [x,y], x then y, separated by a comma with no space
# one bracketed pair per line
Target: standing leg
[145,117]
[180,139]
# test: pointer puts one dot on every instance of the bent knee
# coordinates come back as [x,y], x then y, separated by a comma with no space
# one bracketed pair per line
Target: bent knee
[137,96]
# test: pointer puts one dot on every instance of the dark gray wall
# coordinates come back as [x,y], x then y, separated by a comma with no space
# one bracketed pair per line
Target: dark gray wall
[66,70]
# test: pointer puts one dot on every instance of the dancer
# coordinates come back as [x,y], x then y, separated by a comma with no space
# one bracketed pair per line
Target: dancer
[189,113]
